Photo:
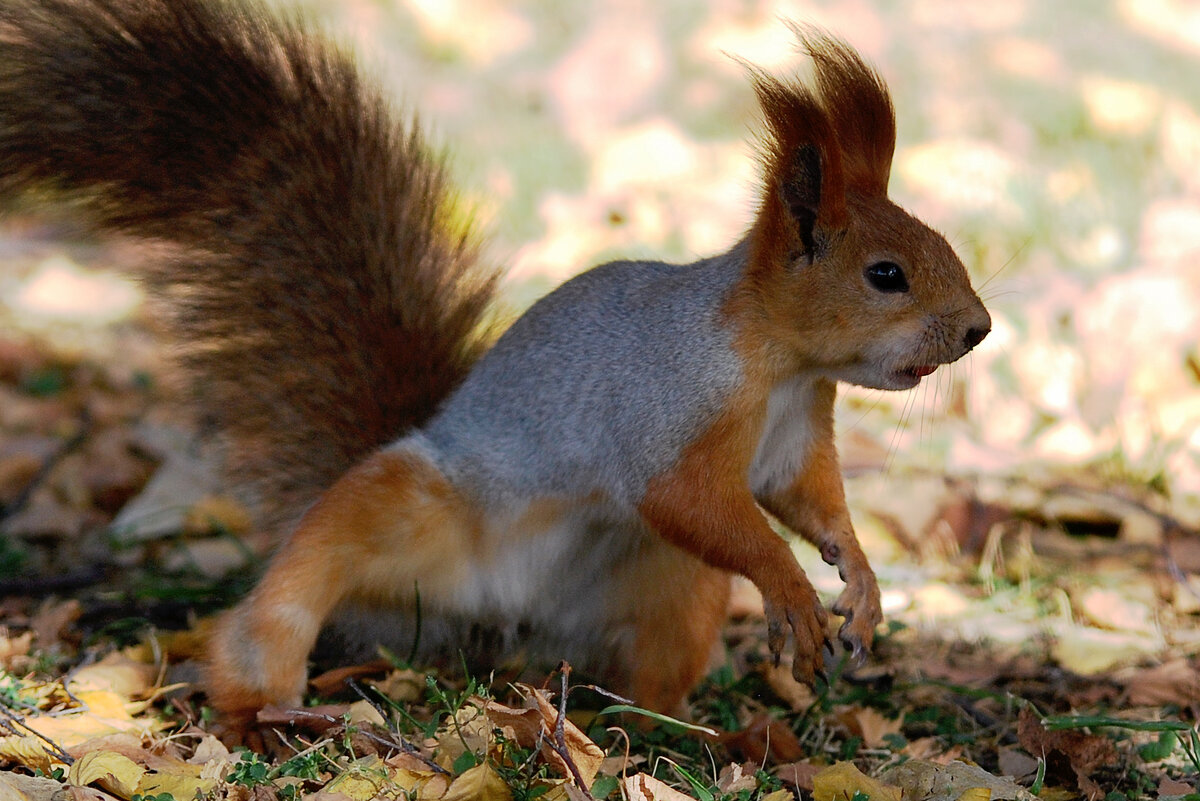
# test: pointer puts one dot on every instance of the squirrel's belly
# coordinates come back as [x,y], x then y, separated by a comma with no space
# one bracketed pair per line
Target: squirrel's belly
[535,585]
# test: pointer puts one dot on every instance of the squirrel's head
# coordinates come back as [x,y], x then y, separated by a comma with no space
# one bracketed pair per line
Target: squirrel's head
[846,282]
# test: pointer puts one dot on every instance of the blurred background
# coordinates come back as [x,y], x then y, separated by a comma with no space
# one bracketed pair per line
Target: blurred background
[1057,146]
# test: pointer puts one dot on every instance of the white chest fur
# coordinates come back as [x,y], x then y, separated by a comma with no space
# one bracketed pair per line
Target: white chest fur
[786,438]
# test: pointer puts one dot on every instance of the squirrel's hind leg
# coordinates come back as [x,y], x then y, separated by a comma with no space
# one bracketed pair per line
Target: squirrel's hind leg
[389,525]
[675,608]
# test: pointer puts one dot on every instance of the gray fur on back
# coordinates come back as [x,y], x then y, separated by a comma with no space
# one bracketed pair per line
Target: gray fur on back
[599,386]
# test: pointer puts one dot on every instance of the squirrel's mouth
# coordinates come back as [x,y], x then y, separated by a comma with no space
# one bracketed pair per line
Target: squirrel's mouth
[911,376]
[921,370]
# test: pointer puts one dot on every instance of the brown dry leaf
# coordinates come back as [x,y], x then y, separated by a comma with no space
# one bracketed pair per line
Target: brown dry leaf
[116,773]
[419,783]
[734,779]
[87,794]
[644,787]
[764,737]
[1173,787]
[480,783]
[798,697]
[14,651]
[798,774]
[52,619]
[840,781]
[869,724]
[535,725]
[16,787]
[1016,763]
[1174,682]
[469,730]
[402,685]
[334,681]
[956,780]
[1066,752]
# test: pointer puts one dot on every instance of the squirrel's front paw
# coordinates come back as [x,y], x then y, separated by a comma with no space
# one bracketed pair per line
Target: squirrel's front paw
[859,605]
[805,617]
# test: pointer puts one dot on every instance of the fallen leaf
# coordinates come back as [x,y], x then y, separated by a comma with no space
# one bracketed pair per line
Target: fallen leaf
[840,781]
[870,725]
[1017,764]
[402,685]
[798,774]
[534,726]
[931,781]
[1066,751]
[764,737]
[1173,682]
[179,785]
[1089,651]
[643,787]
[52,619]
[733,779]
[14,650]
[116,673]
[116,773]
[16,787]
[1168,788]
[480,783]
[797,696]
[26,750]
[778,795]
[1111,609]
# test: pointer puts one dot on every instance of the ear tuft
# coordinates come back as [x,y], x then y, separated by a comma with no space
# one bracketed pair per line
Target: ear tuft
[822,139]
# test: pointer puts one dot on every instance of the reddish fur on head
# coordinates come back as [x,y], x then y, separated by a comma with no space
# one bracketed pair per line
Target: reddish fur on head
[822,141]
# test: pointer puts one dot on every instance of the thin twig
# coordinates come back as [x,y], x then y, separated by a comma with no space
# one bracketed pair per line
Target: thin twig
[399,741]
[560,733]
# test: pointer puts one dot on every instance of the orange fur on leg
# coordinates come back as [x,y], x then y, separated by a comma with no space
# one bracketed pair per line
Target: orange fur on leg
[390,520]
[814,506]
[678,607]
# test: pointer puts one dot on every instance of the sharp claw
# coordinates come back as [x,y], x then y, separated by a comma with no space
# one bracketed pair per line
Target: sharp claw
[829,646]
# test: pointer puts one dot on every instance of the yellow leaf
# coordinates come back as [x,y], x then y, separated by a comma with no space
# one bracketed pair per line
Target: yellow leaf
[179,785]
[365,712]
[976,794]
[359,786]
[839,782]
[29,751]
[114,772]
[104,704]
[115,673]
[480,783]
[778,795]
[644,787]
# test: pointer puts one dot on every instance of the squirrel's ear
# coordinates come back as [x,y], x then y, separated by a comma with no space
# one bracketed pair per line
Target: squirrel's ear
[801,192]
[805,190]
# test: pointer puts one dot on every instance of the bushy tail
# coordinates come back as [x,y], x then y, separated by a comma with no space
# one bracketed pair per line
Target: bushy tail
[327,295]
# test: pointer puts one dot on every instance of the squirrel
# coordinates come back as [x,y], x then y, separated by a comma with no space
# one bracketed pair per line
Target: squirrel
[583,487]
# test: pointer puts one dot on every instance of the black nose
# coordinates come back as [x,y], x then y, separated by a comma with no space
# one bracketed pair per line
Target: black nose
[976,335]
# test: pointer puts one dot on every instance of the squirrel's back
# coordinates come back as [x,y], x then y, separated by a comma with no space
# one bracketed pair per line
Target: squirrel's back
[326,295]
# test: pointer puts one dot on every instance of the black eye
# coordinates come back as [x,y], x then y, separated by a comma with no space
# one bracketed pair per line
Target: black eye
[887,276]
